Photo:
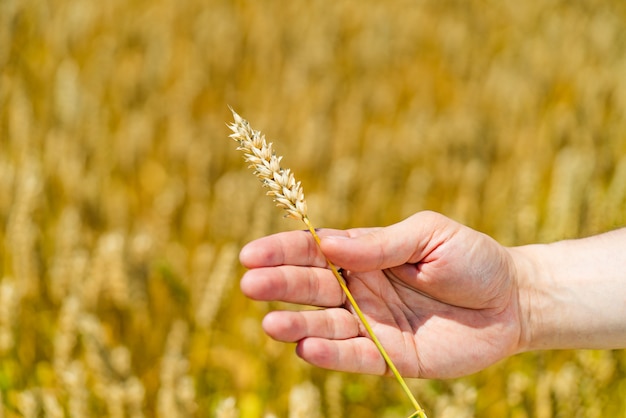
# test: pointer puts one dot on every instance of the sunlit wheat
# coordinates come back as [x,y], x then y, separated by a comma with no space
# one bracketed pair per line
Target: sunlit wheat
[119,196]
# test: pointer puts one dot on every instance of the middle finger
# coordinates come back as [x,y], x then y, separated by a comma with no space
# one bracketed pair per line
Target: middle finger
[293,284]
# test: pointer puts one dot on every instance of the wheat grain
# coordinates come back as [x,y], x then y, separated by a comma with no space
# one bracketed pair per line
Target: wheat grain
[286,192]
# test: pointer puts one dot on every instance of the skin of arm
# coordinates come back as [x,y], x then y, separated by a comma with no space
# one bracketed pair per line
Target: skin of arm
[573,293]
[444,299]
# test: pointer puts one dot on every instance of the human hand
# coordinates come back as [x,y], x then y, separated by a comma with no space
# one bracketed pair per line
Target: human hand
[441,297]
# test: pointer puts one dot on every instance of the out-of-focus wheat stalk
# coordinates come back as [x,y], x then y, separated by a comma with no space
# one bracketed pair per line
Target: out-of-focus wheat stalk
[176,396]
[66,335]
[28,404]
[108,274]
[111,371]
[63,272]
[227,408]
[75,380]
[9,302]
[304,401]
[103,166]
[333,393]
[217,283]
[288,195]
[202,262]
[22,231]
[51,406]
[460,404]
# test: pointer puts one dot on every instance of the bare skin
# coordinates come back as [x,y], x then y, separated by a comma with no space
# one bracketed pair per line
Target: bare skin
[444,300]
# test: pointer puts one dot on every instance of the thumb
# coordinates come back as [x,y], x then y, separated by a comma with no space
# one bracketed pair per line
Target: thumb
[408,241]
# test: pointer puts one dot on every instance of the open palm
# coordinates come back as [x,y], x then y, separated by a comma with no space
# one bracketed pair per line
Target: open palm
[441,297]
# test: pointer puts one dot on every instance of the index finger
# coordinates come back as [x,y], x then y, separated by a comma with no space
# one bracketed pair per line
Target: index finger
[296,248]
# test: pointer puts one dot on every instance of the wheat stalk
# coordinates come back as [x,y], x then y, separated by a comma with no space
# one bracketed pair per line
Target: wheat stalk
[288,195]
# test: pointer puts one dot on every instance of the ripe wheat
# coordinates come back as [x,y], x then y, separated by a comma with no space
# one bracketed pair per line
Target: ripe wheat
[288,194]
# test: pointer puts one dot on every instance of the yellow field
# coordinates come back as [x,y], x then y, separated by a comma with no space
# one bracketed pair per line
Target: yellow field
[123,204]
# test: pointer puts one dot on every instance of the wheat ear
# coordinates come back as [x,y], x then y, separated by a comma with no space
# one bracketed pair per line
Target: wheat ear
[288,194]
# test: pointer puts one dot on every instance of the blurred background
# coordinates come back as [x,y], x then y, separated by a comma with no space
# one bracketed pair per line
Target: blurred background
[123,204]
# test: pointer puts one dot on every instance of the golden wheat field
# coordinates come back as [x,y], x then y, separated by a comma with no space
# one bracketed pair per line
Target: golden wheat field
[123,204]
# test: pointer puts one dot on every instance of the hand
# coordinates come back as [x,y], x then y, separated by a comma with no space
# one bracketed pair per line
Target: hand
[441,297]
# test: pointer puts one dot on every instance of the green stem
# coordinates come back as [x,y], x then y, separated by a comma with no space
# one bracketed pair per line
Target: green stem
[419,410]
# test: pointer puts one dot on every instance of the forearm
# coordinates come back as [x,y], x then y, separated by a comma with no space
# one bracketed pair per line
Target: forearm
[572,293]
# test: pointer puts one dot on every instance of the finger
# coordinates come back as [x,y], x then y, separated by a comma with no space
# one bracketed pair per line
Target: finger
[293,247]
[408,241]
[355,355]
[303,285]
[289,326]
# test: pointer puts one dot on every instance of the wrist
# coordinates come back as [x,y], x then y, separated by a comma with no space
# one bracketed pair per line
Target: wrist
[550,302]
[528,296]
